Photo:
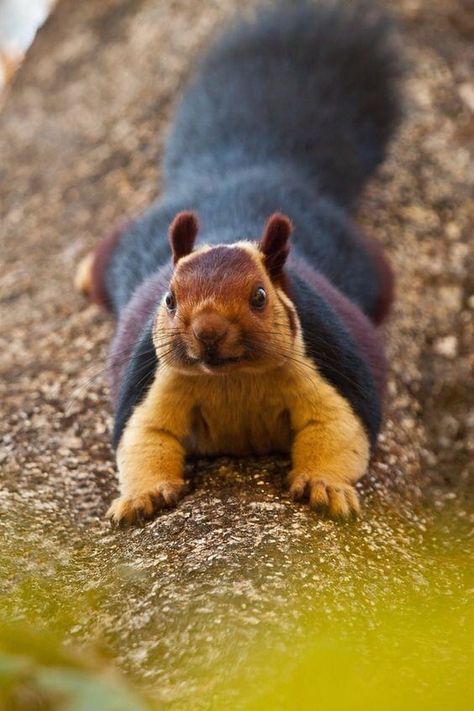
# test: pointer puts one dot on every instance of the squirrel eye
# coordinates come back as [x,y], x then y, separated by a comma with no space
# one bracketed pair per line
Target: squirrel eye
[259,298]
[170,301]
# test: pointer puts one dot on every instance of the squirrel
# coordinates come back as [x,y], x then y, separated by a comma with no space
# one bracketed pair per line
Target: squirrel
[261,337]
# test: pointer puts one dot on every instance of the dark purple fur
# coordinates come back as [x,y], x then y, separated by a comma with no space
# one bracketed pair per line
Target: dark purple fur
[359,326]
[131,323]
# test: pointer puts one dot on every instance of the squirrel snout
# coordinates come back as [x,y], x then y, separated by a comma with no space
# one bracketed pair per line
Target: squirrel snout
[209,328]
[216,340]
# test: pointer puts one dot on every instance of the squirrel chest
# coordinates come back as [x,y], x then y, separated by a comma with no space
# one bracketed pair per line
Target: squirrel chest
[241,414]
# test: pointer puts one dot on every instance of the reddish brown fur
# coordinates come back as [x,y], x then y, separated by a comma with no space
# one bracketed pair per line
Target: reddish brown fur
[225,272]
[182,234]
[221,281]
[274,244]
[102,256]
[384,273]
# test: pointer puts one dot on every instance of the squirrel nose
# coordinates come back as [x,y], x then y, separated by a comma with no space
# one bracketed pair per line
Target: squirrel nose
[209,328]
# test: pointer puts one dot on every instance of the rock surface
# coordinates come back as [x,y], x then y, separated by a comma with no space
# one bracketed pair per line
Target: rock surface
[80,136]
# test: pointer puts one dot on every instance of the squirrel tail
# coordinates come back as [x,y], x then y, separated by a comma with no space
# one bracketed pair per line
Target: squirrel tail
[324,79]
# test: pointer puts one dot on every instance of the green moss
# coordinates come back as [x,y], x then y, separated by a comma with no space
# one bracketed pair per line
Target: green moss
[380,618]
[38,673]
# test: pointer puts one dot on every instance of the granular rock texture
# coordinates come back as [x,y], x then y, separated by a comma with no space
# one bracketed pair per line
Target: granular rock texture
[81,134]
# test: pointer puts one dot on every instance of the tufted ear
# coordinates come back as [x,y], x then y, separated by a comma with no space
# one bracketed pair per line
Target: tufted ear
[274,243]
[182,234]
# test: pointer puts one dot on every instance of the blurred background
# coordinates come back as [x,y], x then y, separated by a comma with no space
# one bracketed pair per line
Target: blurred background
[19,22]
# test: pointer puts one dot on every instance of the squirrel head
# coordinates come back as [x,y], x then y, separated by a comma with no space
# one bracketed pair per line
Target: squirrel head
[226,308]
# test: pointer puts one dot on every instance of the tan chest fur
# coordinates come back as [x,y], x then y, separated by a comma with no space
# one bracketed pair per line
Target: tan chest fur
[241,415]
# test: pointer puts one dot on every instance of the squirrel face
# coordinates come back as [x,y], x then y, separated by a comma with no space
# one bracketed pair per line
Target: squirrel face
[225,309]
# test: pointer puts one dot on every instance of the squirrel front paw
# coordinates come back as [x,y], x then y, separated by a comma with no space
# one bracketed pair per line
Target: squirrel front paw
[141,507]
[339,499]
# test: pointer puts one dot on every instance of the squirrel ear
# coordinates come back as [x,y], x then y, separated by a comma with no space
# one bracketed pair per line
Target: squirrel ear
[274,243]
[182,234]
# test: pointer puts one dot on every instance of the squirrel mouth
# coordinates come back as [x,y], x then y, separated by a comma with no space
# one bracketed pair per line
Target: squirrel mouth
[215,361]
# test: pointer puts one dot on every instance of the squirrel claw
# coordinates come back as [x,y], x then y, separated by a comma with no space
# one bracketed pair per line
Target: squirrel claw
[340,500]
[129,510]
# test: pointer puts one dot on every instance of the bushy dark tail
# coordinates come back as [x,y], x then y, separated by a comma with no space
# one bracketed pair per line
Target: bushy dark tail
[313,82]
